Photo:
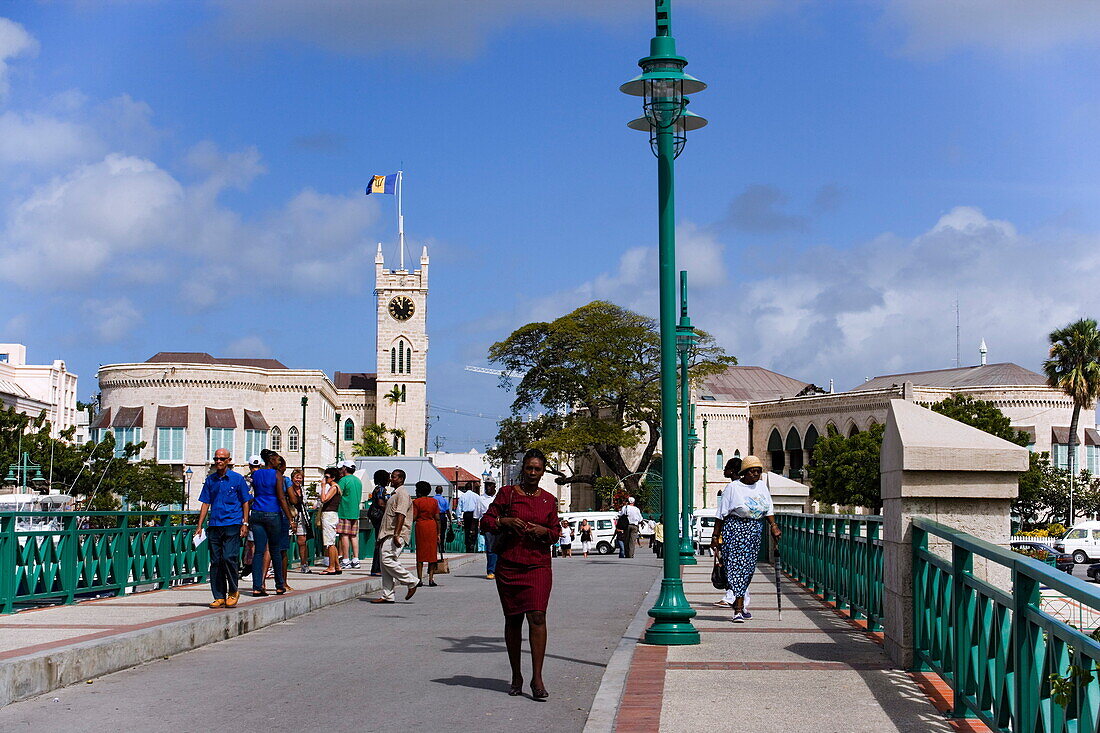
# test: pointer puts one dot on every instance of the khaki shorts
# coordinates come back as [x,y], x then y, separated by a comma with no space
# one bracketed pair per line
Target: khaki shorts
[328,528]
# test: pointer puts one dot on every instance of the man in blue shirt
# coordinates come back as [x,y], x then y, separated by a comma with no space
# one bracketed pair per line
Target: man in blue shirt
[225,498]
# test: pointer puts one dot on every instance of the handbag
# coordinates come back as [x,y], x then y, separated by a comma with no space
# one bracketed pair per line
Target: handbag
[718,574]
[450,533]
[375,511]
[303,516]
[442,567]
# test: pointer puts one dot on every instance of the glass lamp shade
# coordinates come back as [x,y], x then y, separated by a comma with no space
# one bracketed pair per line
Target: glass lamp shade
[686,122]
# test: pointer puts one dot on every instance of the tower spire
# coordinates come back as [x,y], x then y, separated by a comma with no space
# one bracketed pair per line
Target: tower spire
[982,350]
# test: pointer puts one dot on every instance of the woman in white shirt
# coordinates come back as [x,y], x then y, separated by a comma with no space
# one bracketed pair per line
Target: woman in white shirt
[742,511]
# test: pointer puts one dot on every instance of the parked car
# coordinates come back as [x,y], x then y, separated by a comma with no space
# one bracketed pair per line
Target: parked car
[603,536]
[702,528]
[1093,572]
[1040,551]
[1083,542]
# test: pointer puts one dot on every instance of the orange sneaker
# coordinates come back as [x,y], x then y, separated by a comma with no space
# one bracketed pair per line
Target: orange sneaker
[218,603]
[231,601]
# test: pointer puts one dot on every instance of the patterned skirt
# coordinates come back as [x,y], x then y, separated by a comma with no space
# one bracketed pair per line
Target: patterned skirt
[740,547]
[523,588]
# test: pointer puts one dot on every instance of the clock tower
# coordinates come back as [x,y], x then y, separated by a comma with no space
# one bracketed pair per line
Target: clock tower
[402,351]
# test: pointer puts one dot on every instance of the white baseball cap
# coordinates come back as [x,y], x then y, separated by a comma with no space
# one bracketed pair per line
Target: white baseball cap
[346,464]
[255,461]
[630,499]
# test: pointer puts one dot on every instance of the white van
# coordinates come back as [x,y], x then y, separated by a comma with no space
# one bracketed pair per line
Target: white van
[603,534]
[702,529]
[1083,542]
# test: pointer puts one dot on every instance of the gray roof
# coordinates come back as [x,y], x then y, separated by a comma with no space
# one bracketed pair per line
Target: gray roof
[201,357]
[988,375]
[749,383]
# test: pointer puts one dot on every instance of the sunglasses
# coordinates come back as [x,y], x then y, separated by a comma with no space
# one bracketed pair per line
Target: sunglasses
[220,458]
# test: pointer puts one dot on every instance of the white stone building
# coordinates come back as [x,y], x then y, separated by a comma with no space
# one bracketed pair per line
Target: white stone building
[185,405]
[32,388]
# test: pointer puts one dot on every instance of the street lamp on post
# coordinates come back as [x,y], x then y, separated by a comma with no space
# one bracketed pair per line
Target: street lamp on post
[685,344]
[662,86]
[187,489]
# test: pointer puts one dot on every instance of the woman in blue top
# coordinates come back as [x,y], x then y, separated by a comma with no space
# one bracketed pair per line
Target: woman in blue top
[270,523]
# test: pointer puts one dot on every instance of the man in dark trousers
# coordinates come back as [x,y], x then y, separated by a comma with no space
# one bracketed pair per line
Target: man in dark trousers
[469,502]
[225,498]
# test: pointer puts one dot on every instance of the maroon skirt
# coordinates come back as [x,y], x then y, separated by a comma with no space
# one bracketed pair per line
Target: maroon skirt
[523,588]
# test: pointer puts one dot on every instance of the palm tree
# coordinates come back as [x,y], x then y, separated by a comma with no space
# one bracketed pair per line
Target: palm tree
[1074,368]
[394,398]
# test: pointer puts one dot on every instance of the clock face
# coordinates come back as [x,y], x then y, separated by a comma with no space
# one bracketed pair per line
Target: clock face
[402,308]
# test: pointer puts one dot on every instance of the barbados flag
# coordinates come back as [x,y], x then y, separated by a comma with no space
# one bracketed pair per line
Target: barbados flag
[382,184]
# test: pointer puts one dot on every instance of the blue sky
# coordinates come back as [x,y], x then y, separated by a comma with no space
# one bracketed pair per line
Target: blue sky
[188,176]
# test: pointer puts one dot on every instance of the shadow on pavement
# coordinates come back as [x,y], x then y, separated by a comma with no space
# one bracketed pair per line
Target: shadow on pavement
[495,645]
[478,683]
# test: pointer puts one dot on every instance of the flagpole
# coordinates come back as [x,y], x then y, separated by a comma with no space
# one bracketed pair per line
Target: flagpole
[400,221]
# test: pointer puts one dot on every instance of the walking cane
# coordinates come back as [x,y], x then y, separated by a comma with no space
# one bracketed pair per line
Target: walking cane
[778,596]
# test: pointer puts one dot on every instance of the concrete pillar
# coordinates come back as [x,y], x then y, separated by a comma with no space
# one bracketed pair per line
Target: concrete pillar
[936,467]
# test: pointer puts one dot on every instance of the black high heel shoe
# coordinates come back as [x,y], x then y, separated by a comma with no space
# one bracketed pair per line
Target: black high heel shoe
[516,690]
[538,694]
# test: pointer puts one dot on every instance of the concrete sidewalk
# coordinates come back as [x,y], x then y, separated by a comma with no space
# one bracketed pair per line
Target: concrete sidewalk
[48,648]
[812,671]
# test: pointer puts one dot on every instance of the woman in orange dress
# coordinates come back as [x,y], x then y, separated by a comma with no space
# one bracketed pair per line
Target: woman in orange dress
[426,526]
[525,520]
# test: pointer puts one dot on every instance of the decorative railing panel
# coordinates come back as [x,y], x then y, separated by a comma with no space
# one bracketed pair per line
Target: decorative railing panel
[838,557]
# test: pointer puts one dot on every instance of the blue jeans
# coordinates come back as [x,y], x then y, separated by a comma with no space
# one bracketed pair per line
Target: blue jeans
[225,547]
[490,556]
[620,547]
[266,530]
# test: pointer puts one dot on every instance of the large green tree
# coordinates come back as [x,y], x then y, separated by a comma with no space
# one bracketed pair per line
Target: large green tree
[375,440]
[597,370]
[1074,368]
[845,471]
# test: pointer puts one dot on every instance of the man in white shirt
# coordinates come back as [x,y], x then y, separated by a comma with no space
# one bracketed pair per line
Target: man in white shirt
[469,501]
[634,516]
[483,506]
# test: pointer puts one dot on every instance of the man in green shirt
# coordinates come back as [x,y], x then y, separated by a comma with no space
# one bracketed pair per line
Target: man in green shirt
[347,526]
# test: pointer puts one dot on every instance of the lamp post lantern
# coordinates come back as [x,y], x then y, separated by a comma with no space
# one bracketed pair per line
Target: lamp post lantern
[187,489]
[685,344]
[662,86]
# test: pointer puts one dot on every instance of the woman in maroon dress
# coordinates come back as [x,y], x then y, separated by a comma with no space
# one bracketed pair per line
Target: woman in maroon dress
[525,520]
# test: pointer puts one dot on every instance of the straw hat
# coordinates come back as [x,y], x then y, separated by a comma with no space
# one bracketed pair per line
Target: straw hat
[751,462]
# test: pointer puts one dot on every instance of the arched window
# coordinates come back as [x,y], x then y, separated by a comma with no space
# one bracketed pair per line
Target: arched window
[393,360]
[292,439]
[349,429]
[794,445]
[810,442]
[403,393]
[408,360]
[775,451]
[400,358]
[737,453]
[720,460]
[276,439]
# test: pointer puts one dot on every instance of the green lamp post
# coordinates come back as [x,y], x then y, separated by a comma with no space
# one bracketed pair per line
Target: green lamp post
[662,86]
[685,343]
[18,473]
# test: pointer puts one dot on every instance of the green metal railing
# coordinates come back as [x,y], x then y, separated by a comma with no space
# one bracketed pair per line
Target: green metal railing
[1010,662]
[109,553]
[839,557]
[94,553]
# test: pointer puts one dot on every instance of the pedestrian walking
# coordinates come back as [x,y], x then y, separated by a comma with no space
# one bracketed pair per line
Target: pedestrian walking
[525,521]
[300,524]
[225,499]
[351,492]
[659,539]
[375,511]
[732,468]
[634,520]
[484,500]
[426,526]
[330,517]
[622,525]
[444,517]
[584,530]
[254,462]
[742,512]
[270,526]
[393,536]
[566,541]
[469,501]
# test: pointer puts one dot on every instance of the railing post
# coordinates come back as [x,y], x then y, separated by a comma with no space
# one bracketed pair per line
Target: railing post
[850,600]
[120,554]
[1026,680]
[164,551]
[872,577]
[8,547]
[828,590]
[67,557]
[962,565]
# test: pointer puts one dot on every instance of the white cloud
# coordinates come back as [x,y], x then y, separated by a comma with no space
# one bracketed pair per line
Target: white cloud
[248,347]
[14,41]
[111,319]
[41,140]
[884,306]
[935,27]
